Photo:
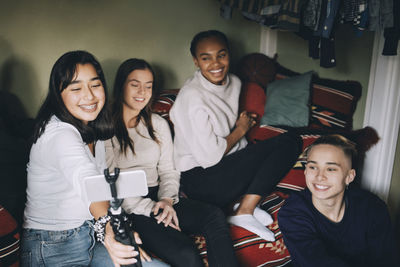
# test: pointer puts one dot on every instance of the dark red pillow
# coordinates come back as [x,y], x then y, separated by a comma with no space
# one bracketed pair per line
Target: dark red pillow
[252,99]
[163,103]
[258,68]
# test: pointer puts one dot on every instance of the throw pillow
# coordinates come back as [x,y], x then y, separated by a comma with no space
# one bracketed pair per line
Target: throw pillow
[288,102]
[163,103]
[252,99]
[258,68]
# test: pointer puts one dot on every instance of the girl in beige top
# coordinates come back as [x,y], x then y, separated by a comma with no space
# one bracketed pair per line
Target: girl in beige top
[143,141]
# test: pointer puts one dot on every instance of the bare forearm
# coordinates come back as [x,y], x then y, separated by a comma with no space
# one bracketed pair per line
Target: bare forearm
[233,138]
[98,209]
[244,123]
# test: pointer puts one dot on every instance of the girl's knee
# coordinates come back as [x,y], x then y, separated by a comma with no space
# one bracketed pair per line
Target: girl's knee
[215,221]
[215,213]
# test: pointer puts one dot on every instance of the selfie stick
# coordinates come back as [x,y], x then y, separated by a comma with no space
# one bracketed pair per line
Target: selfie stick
[119,221]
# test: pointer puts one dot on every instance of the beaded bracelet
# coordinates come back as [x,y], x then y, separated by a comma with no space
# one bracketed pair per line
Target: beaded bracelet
[99,227]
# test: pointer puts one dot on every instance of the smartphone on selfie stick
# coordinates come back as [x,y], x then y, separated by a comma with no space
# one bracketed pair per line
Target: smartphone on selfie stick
[115,187]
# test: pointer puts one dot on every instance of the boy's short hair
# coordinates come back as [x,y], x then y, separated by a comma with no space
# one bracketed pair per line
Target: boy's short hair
[204,35]
[337,140]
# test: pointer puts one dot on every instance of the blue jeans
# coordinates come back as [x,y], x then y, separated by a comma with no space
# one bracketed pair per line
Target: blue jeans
[74,247]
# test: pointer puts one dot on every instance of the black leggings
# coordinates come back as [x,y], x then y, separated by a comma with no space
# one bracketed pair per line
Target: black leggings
[256,169]
[177,248]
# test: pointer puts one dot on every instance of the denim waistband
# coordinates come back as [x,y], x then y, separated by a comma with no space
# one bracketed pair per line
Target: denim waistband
[51,235]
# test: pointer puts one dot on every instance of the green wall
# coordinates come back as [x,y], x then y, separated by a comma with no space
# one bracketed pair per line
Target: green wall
[33,34]
[353,59]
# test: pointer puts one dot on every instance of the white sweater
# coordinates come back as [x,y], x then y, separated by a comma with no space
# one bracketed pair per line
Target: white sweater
[204,114]
[58,162]
[155,159]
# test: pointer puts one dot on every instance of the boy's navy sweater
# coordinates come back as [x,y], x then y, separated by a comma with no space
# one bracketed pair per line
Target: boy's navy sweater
[363,237]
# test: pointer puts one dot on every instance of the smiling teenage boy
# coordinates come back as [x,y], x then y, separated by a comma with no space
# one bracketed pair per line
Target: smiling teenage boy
[330,223]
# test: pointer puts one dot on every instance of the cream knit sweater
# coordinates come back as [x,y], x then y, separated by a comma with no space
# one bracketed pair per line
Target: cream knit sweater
[204,114]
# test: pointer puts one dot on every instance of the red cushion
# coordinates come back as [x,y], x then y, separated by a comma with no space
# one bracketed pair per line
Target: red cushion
[252,99]
[163,103]
[262,132]
[258,68]
[9,239]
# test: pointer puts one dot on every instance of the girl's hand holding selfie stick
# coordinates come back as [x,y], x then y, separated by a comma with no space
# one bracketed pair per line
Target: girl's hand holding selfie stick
[120,223]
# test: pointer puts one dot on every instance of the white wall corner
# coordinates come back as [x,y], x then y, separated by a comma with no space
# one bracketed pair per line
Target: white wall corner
[268,41]
[382,112]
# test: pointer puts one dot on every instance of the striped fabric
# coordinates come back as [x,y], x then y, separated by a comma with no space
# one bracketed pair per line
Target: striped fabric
[9,240]
[163,103]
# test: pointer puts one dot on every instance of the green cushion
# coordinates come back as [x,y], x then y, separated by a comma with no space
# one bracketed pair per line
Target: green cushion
[288,101]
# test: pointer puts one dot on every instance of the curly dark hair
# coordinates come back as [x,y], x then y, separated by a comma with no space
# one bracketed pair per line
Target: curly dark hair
[204,35]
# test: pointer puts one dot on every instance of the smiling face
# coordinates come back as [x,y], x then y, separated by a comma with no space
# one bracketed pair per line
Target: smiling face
[84,97]
[212,58]
[328,172]
[138,89]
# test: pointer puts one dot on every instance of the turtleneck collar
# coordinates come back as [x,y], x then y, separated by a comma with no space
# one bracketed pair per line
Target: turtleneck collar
[209,85]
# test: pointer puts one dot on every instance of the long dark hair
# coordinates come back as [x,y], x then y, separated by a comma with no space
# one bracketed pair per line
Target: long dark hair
[121,133]
[62,74]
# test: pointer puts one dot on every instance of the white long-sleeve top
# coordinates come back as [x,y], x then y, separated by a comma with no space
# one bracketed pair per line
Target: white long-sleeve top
[58,162]
[155,159]
[203,115]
